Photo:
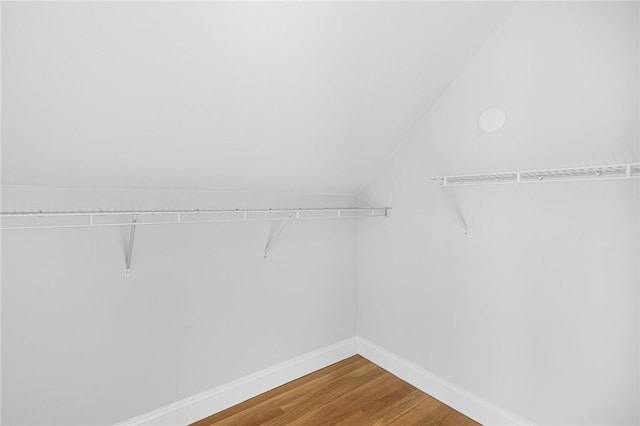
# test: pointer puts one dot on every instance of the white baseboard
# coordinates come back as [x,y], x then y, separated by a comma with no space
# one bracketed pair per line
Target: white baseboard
[448,393]
[217,399]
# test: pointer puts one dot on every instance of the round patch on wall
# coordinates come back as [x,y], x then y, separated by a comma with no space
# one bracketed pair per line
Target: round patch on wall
[492,119]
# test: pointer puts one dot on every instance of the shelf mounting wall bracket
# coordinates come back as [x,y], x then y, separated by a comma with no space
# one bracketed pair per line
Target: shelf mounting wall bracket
[127,261]
[456,208]
[274,238]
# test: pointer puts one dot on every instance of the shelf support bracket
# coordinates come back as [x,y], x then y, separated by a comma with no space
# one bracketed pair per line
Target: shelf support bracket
[127,261]
[274,238]
[456,208]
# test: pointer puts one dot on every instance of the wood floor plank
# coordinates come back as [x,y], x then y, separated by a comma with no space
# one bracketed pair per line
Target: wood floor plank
[386,398]
[318,392]
[351,392]
[260,402]
[427,411]
[302,411]
[340,408]
[399,408]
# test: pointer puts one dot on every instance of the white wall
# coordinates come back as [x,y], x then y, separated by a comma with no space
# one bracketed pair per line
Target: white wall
[536,310]
[223,95]
[83,345]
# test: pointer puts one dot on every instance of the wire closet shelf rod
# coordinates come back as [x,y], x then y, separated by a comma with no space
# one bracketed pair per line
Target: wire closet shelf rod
[100,218]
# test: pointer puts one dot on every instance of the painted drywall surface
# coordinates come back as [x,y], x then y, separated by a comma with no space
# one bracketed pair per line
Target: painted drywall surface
[223,95]
[83,345]
[536,310]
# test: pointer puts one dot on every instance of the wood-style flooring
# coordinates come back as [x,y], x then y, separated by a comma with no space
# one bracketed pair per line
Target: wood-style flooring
[350,392]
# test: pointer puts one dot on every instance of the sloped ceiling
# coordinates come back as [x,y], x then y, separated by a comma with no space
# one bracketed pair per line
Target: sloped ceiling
[263,96]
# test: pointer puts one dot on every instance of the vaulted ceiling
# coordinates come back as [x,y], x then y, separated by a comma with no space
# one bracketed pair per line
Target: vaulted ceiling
[275,96]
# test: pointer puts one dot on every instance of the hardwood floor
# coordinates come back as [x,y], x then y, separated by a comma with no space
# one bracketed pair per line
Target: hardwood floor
[350,392]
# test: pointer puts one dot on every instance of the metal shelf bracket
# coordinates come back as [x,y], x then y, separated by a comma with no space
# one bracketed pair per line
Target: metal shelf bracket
[275,236]
[453,202]
[132,235]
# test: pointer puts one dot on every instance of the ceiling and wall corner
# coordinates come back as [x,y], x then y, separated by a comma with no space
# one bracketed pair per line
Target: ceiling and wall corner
[125,105]
[225,96]
[539,300]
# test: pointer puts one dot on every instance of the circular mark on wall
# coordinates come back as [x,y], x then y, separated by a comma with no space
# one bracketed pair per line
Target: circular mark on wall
[492,119]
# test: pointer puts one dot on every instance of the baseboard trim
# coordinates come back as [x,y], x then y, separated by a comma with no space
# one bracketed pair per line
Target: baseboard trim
[446,392]
[196,407]
[217,399]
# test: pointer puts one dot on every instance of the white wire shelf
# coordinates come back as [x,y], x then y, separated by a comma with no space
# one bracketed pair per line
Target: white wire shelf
[608,172]
[100,218]
[132,218]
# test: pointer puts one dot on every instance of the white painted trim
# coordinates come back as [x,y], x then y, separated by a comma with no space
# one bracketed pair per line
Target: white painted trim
[222,397]
[450,394]
[217,399]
